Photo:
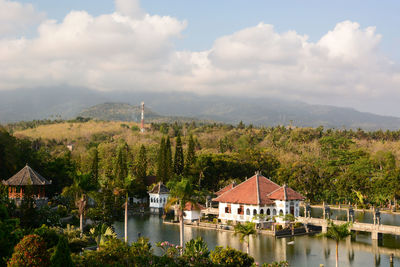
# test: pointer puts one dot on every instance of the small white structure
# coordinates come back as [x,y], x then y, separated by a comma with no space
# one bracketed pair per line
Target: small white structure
[192,212]
[158,198]
[257,199]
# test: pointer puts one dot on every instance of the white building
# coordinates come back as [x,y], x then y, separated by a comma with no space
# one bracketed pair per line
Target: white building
[158,198]
[192,212]
[257,199]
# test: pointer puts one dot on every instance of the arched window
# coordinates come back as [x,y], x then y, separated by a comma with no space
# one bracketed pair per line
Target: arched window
[248,212]
[274,212]
[254,212]
[280,212]
[268,212]
[157,200]
[261,211]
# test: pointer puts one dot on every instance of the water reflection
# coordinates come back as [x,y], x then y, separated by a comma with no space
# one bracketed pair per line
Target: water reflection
[299,251]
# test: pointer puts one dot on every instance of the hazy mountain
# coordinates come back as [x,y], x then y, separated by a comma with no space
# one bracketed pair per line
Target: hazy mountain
[29,104]
[125,112]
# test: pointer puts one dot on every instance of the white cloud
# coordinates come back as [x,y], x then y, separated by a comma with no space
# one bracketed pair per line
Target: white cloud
[132,50]
[129,8]
[17,18]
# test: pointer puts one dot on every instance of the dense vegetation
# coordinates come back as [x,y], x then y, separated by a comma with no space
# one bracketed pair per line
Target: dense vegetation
[324,165]
[105,161]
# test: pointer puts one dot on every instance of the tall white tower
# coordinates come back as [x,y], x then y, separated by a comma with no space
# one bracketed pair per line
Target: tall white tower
[142,119]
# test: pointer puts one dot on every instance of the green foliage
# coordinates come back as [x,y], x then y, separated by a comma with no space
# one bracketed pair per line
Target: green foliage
[10,234]
[30,251]
[338,232]
[245,230]
[140,165]
[230,257]
[164,161]
[49,235]
[178,158]
[190,155]
[62,254]
[196,252]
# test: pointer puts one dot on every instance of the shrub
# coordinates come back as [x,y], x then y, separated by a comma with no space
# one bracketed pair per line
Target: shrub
[30,251]
[298,224]
[196,252]
[230,257]
[278,227]
[62,255]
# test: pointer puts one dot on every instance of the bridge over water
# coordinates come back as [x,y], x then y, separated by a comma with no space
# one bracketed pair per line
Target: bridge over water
[376,230]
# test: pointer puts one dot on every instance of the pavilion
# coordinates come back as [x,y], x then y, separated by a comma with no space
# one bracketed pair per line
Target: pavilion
[26,177]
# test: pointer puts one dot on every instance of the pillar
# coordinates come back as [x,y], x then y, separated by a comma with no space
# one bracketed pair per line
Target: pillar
[375,235]
[324,229]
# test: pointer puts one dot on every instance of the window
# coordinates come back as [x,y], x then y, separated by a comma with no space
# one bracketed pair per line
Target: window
[268,212]
[151,200]
[261,211]
[280,212]
[254,212]
[248,212]
[227,210]
[274,212]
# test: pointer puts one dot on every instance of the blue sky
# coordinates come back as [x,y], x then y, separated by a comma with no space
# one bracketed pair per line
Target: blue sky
[210,19]
[342,53]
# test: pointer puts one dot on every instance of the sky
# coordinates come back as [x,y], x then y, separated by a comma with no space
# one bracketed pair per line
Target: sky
[342,53]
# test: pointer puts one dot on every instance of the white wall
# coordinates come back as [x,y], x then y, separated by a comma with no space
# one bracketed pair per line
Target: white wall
[158,200]
[192,215]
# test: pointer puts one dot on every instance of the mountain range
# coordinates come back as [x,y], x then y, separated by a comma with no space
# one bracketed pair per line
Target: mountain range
[67,102]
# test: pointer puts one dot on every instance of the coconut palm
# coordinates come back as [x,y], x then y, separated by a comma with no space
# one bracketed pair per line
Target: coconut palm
[181,193]
[244,231]
[338,232]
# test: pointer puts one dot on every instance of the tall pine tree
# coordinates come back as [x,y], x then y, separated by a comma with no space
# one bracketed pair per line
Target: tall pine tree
[190,155]
[178,159]
[121,163]
[161,161]
[141,165]
[168,161]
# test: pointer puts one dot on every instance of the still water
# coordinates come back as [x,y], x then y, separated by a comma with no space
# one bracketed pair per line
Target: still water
[304,251]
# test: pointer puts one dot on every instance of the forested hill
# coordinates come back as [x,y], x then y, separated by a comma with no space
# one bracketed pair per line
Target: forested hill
[117,112]
[67,103]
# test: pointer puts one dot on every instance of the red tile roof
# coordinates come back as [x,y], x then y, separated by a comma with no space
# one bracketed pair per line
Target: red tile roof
[285,193]
[253,191]
[226,188]
[190,207]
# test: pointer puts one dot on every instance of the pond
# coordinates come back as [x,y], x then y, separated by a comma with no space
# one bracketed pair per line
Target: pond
[299,251]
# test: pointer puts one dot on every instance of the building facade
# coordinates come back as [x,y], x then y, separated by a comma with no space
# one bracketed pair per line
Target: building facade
[158,197]
[257,199]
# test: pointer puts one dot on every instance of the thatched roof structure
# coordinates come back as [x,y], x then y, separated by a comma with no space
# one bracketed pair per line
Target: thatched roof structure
[27,176]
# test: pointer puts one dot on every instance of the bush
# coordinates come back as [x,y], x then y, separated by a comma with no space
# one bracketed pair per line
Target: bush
[230,257]
[30,251]
[62,255]
[196,252]
[62,210]
[278,227]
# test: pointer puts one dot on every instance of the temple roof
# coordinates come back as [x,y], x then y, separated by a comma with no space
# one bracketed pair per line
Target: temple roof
[225,189]
[285,193]
[159,188]
[27,176]
[253,191]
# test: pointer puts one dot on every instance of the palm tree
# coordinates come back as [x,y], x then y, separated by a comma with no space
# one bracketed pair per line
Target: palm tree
[244,231]
[338,232]
[181,193]
[76,193]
